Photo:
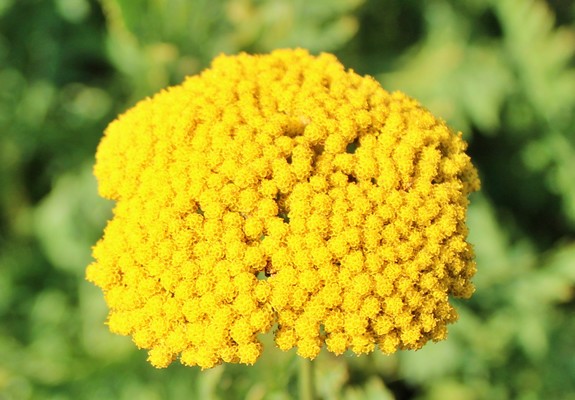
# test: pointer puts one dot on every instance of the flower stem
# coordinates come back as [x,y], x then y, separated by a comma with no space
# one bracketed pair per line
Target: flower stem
[306,379]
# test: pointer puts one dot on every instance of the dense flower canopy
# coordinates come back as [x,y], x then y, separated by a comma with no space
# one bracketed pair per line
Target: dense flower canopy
[282,191]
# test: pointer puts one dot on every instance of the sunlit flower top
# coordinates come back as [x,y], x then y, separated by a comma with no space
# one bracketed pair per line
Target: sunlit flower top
[281,192]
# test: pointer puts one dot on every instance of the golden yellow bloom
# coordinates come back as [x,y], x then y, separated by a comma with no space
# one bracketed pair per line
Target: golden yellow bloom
[281,189]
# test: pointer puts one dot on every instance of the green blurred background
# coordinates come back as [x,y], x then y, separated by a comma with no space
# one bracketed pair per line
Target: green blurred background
[501,71]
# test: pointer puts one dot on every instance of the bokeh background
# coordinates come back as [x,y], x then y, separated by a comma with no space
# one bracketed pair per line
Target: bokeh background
[501,71]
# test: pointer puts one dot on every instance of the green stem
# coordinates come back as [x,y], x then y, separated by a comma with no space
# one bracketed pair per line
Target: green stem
[306,379]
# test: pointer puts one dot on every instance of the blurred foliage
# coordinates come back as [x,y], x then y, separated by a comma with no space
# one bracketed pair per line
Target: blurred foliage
[501,71]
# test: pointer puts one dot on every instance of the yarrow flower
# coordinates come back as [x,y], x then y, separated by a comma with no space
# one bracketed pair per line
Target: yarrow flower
[281,192]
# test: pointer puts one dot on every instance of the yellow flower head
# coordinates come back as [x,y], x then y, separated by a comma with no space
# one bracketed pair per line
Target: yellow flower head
[281,189]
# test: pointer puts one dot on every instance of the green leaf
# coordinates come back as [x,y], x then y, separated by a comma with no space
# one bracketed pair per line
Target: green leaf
[462,81]
[374,389]
[70,219]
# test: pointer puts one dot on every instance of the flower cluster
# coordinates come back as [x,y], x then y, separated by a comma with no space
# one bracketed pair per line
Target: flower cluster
[281,190]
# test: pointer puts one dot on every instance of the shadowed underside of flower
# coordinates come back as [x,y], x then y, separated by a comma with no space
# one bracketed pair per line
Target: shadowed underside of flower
[281,190]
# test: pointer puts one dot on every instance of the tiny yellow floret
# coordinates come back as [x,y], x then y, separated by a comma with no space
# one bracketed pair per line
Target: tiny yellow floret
[284,192]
